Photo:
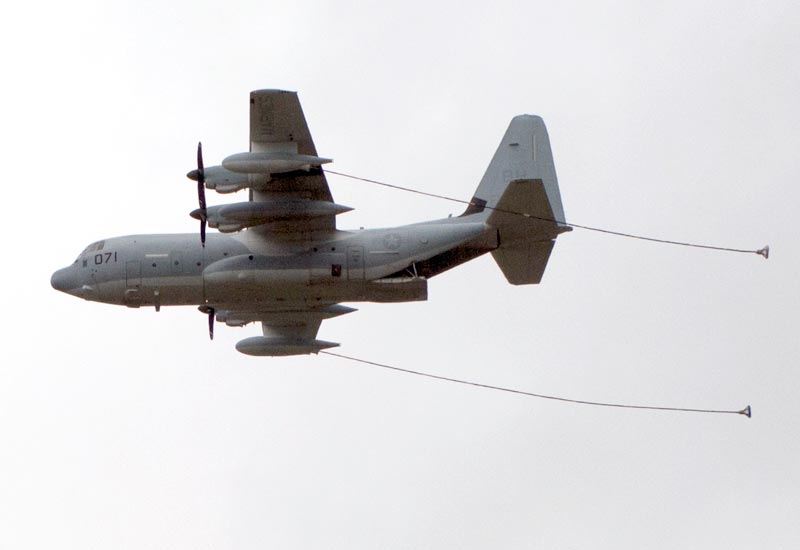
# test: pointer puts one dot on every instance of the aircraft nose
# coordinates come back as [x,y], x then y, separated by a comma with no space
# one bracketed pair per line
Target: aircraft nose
[72,281]
[63,280]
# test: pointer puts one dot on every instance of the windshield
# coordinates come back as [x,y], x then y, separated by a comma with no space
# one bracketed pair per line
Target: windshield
[94,247]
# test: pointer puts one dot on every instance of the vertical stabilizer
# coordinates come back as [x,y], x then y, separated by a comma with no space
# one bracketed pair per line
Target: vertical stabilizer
[519,197]
[523,154]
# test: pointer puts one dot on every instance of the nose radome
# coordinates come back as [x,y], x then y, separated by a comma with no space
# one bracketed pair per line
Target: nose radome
[60,280]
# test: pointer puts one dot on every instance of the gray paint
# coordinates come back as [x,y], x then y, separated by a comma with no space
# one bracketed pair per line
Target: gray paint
[294,265]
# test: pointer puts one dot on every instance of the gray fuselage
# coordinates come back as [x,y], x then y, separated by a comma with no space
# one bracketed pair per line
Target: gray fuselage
[249,269]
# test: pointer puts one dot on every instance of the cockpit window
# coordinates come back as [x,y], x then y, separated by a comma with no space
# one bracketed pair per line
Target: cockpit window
[94,247]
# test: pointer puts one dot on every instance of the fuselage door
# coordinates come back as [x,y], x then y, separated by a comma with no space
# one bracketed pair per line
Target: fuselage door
[133,274]
[355,263]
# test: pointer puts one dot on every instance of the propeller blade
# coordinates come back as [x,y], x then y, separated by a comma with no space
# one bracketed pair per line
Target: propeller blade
[201,193]
[208,310]
[200,157]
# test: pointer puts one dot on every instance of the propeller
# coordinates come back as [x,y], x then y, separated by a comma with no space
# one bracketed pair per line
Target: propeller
[211,314]
[200,176]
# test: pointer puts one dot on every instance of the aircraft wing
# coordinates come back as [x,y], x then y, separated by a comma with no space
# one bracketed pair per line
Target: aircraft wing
[291,330]
[277,124]
[276,119]
[289,196]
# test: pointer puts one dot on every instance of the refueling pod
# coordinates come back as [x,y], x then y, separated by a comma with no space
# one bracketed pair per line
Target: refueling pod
[262,346]
[273,162]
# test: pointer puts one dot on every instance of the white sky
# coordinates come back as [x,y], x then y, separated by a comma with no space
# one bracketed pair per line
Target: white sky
[129,429]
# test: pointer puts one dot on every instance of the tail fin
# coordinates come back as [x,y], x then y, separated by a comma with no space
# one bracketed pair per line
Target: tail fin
[519,196]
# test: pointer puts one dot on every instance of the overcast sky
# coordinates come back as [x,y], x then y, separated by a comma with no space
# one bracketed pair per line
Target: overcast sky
[129,429]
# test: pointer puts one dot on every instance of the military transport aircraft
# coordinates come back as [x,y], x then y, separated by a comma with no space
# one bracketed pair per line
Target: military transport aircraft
[286,264]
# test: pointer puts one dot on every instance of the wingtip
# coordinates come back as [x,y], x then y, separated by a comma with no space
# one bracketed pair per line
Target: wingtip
[265,91]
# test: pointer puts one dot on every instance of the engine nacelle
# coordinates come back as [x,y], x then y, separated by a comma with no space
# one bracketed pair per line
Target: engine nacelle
[223,180]
[237,216]
[241,317]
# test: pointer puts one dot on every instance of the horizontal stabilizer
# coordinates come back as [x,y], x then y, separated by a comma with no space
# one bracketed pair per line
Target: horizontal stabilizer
[523,263]
[524,212]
